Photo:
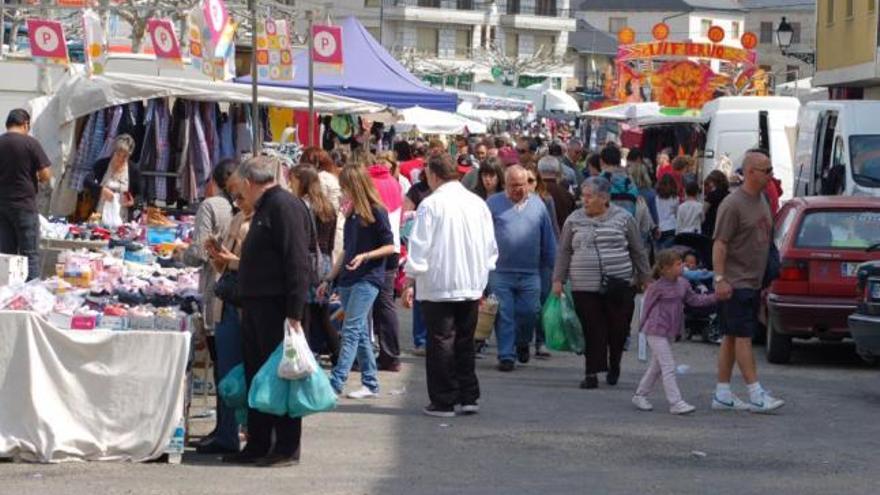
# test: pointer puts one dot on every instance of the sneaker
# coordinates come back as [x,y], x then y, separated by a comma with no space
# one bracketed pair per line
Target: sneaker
[542,353]
[469,409]
[766,404]
[682,407]
[506,366]
[641,402]
[362,393]
[522,354]
[734,404]
[419,351]
[438,411]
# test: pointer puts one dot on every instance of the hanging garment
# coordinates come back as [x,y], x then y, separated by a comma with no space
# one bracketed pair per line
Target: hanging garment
[147,161]
[227,139]
[162,128]
[199,157]
[112,131]
[78,169]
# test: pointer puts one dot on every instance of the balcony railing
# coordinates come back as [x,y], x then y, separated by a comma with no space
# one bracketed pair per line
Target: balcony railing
[539,8]
[438,4]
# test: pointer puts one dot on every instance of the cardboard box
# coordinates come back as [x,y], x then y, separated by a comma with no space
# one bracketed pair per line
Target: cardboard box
[13,269]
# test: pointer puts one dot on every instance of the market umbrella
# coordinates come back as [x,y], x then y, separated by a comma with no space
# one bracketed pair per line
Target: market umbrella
[430,121]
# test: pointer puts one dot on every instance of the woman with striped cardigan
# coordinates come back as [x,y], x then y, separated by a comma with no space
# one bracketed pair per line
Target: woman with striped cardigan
[602,254]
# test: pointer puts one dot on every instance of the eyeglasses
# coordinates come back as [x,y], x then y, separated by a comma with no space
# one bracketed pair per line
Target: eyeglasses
[768,170]
[532,181]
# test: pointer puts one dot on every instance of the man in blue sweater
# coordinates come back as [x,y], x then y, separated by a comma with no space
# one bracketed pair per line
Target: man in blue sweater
[526,244]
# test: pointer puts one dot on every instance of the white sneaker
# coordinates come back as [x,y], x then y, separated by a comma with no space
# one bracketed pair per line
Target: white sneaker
[641,402]
[682,407]
[765,403]
[362,393]
[734,404]
[468,409]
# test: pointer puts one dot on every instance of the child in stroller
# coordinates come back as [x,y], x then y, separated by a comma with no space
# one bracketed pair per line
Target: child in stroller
[696,251]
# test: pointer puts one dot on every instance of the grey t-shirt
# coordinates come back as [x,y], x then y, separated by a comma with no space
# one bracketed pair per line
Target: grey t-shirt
[744,222]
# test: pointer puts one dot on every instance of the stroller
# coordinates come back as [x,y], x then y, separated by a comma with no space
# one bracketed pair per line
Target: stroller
[699,321]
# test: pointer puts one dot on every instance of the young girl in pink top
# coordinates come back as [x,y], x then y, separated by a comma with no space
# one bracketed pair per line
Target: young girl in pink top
[664,313]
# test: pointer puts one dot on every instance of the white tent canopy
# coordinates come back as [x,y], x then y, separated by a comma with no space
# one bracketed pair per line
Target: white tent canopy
[430,121]
[54,117]
[80,96]
[467,109]
[556,100]
[627,111]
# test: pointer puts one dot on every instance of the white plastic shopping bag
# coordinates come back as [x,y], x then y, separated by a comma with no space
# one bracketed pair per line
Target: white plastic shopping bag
[636,324]
[111,213]
[297,361]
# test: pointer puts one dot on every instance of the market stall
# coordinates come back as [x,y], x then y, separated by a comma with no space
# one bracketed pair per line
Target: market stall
[88,395]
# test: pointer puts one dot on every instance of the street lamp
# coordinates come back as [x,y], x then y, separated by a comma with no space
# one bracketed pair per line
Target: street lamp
[784,36]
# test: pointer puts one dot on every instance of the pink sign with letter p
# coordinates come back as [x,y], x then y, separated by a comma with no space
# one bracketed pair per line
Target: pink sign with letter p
[327,44]
[47,41]
[165,44]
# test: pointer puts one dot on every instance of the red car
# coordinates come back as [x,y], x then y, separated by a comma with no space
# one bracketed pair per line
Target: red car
[821,240]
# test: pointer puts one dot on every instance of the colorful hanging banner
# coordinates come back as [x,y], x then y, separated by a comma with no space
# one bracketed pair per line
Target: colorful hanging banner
[165,44]
[216,18]
[47,42]
[274,52]
[95,42]
[665,49]
[327,44]
[203,51]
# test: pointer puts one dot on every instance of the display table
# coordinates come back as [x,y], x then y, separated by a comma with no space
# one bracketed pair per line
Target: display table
[51,248]
[88,395]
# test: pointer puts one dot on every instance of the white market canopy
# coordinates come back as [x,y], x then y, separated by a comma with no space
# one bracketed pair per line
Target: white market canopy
[627,111]
[467,109]
[430,121]
[81,95]
[556,100]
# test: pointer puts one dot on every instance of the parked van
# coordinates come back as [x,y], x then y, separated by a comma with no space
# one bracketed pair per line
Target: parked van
[735,124]
[838,149]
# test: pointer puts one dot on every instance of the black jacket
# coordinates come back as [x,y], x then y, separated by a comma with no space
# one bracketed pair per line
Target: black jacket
[275,253]
[93,179]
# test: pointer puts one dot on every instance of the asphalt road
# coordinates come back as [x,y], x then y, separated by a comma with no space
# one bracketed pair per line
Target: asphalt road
[538,433]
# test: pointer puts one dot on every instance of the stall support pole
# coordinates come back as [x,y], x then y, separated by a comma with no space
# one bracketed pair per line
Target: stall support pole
[3,29]
[310,16]
[255,108]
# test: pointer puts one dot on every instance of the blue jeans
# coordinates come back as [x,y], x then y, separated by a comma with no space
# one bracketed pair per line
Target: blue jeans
[519,298]
[419,331]
[355,339]
[227,335]
[20,234]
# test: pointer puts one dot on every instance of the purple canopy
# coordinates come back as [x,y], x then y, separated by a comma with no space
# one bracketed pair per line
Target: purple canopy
[368,73]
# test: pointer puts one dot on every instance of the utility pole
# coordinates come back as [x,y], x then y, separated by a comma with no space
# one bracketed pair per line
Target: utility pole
[310,17]
[255,84]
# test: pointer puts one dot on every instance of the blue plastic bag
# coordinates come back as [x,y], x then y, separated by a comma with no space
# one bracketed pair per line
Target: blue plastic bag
[311,395]
[269,392]
[233,393]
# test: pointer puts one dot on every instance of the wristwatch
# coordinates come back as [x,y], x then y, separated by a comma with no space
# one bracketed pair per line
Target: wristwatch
[719,278]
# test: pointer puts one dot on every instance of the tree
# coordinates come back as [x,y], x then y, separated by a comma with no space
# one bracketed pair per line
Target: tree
[512,67]
[137,12]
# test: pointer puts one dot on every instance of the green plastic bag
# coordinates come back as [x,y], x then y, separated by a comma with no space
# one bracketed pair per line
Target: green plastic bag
[269,392]
[233,393]
[551,320]
[311,395]
[571,325]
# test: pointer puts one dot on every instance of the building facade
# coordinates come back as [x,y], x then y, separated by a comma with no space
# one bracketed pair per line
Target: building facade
[847,48]
[763,17]
[465,38]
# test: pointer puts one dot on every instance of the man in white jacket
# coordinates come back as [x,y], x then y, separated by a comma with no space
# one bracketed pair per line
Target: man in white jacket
[451,252]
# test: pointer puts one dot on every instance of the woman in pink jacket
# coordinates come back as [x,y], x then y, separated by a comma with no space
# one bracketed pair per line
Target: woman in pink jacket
[662,321]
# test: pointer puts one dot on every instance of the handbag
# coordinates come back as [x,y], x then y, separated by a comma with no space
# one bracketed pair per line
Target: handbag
[319,270]
[609,284]
[226,288]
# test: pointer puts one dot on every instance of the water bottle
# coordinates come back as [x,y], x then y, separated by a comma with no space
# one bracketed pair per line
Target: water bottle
[175,447]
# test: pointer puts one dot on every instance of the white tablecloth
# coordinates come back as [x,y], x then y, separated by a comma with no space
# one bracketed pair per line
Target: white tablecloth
[87,395]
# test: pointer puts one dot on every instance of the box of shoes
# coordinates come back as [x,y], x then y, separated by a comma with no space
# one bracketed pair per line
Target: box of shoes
[13,269]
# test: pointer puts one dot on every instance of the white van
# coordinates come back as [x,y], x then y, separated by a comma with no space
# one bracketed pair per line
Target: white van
[838,149]
[735,124]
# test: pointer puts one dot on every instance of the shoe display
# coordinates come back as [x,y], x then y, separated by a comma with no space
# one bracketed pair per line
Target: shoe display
[506,366]
[277,461]
[765,403]
[522,354]
[469,409]
[438,411]
[642,404]
[541,352]
[362,393]
[682,407]
[590,382]
[733,404]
